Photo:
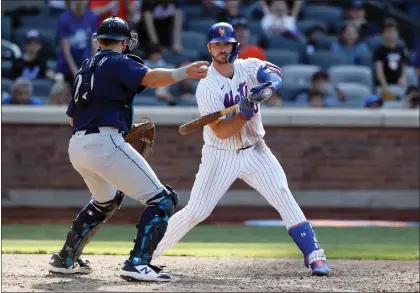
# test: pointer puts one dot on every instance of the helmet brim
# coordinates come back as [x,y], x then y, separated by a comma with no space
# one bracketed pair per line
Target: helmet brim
[223,39]
[112,37]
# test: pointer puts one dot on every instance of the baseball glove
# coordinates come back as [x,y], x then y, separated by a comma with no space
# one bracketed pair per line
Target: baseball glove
[142,136]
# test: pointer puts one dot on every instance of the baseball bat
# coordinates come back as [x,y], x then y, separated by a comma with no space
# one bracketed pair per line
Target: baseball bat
[193,125]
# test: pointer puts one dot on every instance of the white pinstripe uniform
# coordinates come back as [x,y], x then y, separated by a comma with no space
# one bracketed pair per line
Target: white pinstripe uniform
[222,162]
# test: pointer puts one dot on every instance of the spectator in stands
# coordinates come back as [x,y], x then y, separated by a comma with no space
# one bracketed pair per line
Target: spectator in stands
[32,65]
[316,99]
[356,15]
[125,9]
[312,39]
[75,28]
[412,98]
[211,8]
[320,83]
[349,43]
[390,61]
[230,11]
[246,50]
[373,101]
[21,94]
[60,94]
[161,23]
[154,56]
[416,63]
[183,90]
[275,101]
[278,21]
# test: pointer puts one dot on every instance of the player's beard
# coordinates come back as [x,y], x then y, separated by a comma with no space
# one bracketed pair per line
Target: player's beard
[220,58]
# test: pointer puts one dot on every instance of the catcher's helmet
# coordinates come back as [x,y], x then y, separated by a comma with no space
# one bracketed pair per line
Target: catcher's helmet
[116,28]
[221,32]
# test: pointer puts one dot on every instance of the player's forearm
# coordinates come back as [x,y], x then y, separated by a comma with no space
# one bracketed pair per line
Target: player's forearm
[228,127]
[380,75]
[68,57]
[163,77]
[150,27]
[178,26]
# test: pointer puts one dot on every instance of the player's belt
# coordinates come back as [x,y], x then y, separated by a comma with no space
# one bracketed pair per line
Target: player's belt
[91,130]
[247,147]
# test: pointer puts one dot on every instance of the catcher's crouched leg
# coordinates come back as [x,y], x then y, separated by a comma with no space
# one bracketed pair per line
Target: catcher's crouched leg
[87,223]
[152,226]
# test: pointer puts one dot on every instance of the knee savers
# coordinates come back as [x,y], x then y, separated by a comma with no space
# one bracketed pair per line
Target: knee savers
[152,225]
[87,224]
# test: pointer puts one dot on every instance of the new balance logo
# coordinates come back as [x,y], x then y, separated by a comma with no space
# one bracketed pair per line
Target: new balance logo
[146,270]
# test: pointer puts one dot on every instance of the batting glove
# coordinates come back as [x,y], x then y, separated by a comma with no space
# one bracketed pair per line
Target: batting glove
[246,109]
[262,92]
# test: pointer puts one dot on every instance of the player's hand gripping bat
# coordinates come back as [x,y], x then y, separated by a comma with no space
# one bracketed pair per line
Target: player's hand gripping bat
[193,125]
[259,94]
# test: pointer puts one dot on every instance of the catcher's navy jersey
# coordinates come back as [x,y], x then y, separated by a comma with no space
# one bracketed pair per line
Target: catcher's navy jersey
[104,90]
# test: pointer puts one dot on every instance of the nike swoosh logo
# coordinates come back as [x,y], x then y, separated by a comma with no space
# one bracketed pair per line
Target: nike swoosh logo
[222,87]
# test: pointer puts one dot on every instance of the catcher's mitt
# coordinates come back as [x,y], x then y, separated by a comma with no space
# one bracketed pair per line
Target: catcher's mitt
[142,136]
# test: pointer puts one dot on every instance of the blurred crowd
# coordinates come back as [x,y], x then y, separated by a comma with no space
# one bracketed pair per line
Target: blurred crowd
[332,56]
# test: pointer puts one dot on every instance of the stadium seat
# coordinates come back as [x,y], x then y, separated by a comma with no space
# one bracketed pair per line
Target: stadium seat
[200,25]
[351,73]
[174,58]
[194,40]
[393,104]
[189,102]
[328,14]
[326,59]
[286,44]
[412,78]
[148,91]
[304,25]
[365,59]
[282,57]
[39,22]
[325,42]
[6,85]
[255,27]
[299,74]
[42,87]
[142,100]
[192,11]
[289,92]
[355,94]
[6,66]
[6,27]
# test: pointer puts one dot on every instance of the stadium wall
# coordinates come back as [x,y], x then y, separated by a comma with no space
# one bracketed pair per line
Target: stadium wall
[340,163]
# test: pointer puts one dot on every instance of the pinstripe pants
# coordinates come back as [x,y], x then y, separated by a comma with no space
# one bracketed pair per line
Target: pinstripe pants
[257,166]
[107,163]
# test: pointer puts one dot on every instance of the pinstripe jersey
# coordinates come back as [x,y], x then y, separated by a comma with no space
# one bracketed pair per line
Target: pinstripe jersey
[216,92]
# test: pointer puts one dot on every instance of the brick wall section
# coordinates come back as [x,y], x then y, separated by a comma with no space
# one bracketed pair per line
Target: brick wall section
[35,156]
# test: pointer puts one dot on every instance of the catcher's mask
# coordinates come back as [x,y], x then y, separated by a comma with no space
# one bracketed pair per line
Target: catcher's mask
[115,28]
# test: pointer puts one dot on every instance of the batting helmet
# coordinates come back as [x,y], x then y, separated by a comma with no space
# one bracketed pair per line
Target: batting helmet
[116,28]
[221,32]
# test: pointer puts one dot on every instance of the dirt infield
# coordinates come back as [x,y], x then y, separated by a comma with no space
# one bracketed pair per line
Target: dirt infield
[28,273]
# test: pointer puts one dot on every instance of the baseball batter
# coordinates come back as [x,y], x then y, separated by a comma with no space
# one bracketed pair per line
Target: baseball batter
[234,147]
[101,114]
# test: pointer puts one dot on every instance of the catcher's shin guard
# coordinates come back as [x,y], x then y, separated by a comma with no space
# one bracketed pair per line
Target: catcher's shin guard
[152,226]
[86,225]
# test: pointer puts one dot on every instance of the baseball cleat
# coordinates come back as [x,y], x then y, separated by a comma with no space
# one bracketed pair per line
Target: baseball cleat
[80,266]
[148,273]
[320,268]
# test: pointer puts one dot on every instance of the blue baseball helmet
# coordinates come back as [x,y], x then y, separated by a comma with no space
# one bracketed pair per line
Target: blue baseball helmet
[221,32]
